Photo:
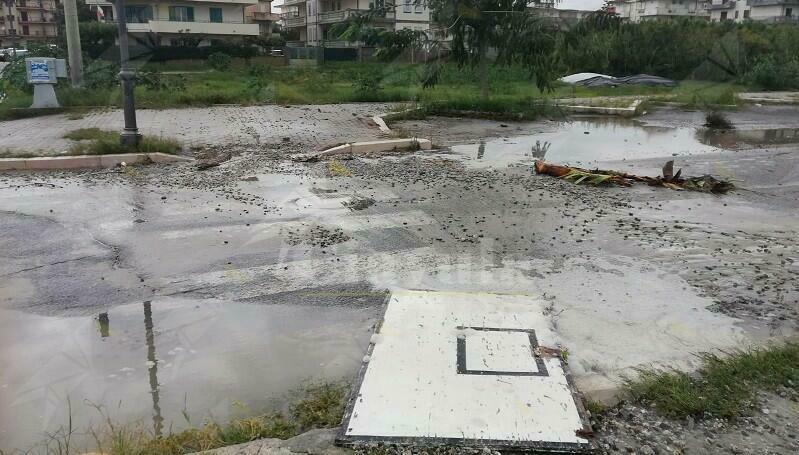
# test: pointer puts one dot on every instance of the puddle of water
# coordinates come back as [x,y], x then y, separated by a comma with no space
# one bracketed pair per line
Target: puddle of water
[585,143]
[147,362]
[732,139]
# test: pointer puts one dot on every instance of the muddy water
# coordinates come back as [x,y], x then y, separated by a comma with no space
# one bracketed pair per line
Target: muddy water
[149,362]
[591,141]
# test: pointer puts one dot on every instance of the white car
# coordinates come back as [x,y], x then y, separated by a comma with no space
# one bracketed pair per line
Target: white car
[9,53]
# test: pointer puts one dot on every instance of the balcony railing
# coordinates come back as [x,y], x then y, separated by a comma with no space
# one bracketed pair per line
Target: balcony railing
[330,17]
[293,2]
[37,21]
[719,6]
[34,6]
[298,21]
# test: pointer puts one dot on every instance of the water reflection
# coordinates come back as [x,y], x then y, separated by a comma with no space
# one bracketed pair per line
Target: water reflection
[105,325]
[152,365]
[585,143]
[740,137]
[267,351]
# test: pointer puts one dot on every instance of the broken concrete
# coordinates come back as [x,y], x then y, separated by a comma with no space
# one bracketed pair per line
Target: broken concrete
[371,148]
[313,442]
[86,161]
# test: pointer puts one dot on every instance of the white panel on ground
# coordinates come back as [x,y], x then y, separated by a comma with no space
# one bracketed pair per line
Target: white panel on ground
[463,368]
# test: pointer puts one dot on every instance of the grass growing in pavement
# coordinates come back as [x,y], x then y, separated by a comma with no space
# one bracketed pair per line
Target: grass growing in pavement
[723,387]
[95,141]
[320,406]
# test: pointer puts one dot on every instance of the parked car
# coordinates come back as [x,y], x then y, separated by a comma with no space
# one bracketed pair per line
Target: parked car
[276,52]
[9,53]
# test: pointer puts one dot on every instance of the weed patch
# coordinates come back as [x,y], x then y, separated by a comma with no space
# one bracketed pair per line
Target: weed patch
[318,406]
[724,386]
[95,141]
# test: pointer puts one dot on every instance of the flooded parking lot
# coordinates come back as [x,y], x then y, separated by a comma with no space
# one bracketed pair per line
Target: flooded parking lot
[158,290]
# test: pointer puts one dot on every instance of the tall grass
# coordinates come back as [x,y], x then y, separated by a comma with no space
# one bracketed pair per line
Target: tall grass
[723,386]
[511,89]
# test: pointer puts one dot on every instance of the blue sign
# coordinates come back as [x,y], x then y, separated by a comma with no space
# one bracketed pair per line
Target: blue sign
[40,72]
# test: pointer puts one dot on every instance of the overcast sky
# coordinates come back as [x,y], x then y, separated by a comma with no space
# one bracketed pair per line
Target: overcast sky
[581,4]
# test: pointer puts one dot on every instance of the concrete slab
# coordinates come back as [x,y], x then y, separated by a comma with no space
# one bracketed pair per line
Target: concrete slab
[467,369]
[85,161]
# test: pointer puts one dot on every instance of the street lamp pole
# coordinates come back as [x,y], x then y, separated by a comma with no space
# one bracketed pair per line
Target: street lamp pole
[130,134]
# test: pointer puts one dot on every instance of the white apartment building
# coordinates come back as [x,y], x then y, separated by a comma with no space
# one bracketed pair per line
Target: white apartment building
[771,11]
[312,19]
[169,21]
[642,10]
[262,15]
[24,21]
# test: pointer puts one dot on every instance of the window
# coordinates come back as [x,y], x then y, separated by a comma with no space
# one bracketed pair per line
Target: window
[724,15]
[407,8]
[25,30]
[138,14]
[215,14]
[418,8]
[788,12]
[181,14]
[746,14]
[736,14]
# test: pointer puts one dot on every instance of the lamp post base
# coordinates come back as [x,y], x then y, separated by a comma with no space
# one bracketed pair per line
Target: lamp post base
[129,138]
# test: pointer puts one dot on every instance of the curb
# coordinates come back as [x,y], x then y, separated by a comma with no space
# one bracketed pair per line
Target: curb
[86,161]
[630,111]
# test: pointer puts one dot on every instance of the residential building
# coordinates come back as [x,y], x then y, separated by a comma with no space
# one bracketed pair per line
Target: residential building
[24,21]
[642,10]
[311,20]
[563,17]
[172,22]
[770,11]
[262,15]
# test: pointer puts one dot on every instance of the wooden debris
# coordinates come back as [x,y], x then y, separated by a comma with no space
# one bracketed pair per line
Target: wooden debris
[669,179]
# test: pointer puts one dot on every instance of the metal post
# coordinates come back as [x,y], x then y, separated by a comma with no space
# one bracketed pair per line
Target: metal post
[130,134]
[73,42]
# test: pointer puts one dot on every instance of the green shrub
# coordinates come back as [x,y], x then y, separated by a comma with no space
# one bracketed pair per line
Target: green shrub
[366,85]
[101,74]
[220,61]
[770,75]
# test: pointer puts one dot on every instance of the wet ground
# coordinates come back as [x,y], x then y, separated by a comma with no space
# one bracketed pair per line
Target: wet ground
[263,273]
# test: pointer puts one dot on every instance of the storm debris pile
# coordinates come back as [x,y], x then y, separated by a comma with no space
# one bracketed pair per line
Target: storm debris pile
[316,236]
[669,179]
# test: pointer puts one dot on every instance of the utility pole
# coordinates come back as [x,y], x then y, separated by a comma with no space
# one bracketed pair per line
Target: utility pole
[130,134]
[73,42]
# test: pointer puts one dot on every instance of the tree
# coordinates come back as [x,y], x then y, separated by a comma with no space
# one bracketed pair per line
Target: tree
[502,27]
[479,30]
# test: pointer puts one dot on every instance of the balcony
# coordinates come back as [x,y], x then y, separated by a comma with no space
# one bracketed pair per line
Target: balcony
[264,16]
[331,17]
[296,21]
[676,12]
[771,2]
[721,6]
[34,6]
[209,28]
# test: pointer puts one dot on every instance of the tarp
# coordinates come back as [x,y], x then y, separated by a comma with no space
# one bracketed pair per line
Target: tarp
[603,80]
[575,78]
